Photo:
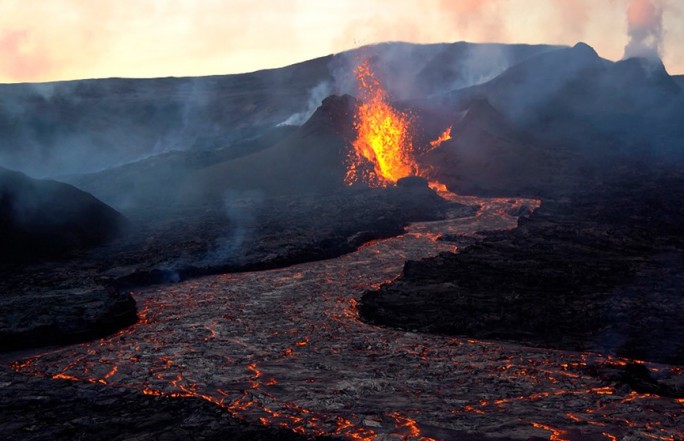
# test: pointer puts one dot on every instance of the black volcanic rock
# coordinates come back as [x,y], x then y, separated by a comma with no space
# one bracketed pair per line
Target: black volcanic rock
[525,88]
[43,316]
[40,409]
[87,125]
[573,98]
[410,71]
[488,155]
[412,182]
[47,219]
[44,220]
[309,160]
[556,121]
[602,271]
[464,64]
[86,295]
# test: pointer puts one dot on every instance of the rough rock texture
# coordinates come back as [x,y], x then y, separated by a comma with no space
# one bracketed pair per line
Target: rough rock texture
[43,222]
[36,409]
[251,232]
[46,219]
[85,296]
[603,270]
[310,160]
[286,346]
[41,315]
[111,121]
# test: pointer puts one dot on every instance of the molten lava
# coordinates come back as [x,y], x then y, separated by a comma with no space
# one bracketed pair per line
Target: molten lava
[383,150]
[445,136]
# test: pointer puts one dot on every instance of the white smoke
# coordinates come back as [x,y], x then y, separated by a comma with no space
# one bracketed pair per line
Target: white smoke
[316,96]
[645,28]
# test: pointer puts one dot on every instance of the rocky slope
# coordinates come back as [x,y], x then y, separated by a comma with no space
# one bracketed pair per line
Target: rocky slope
[47,219]
[65,410]
[88,125]
[85,296]
[44,223]
[599,271]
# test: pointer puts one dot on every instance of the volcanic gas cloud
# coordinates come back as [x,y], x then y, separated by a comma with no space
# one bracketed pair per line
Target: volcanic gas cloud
[645,28]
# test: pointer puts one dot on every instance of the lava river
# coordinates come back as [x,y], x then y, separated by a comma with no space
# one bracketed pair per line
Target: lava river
[286,348]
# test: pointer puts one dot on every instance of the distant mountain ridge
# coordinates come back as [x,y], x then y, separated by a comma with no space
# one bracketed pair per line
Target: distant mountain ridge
[575,99]
[527,120]
[54,129]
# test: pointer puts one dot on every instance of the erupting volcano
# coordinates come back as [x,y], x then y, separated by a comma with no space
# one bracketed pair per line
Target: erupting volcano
[383,149]
[259,256]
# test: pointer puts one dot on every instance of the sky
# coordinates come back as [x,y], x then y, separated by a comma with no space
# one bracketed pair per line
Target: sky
[43,40]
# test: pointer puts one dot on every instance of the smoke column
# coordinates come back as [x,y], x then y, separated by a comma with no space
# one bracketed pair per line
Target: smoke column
[645,28]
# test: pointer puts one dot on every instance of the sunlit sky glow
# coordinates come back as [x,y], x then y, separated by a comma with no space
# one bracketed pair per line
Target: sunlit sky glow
[68,39]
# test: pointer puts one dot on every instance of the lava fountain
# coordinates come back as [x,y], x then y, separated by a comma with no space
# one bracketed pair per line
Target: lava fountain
[383,151]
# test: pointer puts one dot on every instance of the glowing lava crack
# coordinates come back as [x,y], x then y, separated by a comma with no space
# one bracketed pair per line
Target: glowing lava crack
[285,348]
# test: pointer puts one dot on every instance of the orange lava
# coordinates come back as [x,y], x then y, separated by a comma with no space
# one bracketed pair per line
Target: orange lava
[315,352]
[445,136]
[383,150]
[64,377]
[407,427]
[556,434]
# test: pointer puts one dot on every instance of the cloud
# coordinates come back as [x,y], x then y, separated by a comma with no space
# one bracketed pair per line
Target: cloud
[481,16]
[66,39]
[644,28]
[22,58]
[63,39]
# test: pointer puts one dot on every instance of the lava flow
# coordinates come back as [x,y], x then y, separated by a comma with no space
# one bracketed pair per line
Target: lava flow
[383,150]
[285,348]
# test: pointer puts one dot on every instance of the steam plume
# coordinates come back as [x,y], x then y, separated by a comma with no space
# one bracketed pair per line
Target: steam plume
[645,28]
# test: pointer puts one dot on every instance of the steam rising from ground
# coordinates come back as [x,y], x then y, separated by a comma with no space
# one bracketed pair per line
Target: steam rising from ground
[316,96]
[241,208]
[645,28]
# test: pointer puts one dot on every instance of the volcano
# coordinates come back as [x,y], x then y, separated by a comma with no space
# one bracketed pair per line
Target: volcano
[309,160]
[416,242]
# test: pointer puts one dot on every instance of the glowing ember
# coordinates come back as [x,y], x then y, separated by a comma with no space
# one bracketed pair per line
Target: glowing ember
[556,434]
[445,136]
[383,150]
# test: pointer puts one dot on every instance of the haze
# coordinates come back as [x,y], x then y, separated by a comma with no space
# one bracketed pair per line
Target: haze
[72,39]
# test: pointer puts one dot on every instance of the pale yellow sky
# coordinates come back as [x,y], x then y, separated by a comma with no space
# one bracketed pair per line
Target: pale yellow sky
[43,40]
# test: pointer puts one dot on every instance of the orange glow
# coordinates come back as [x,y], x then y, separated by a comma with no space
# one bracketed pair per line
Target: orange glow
[556,434]
[383,149]
[302,342]
[64,377]
[111,373]
[445,136]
